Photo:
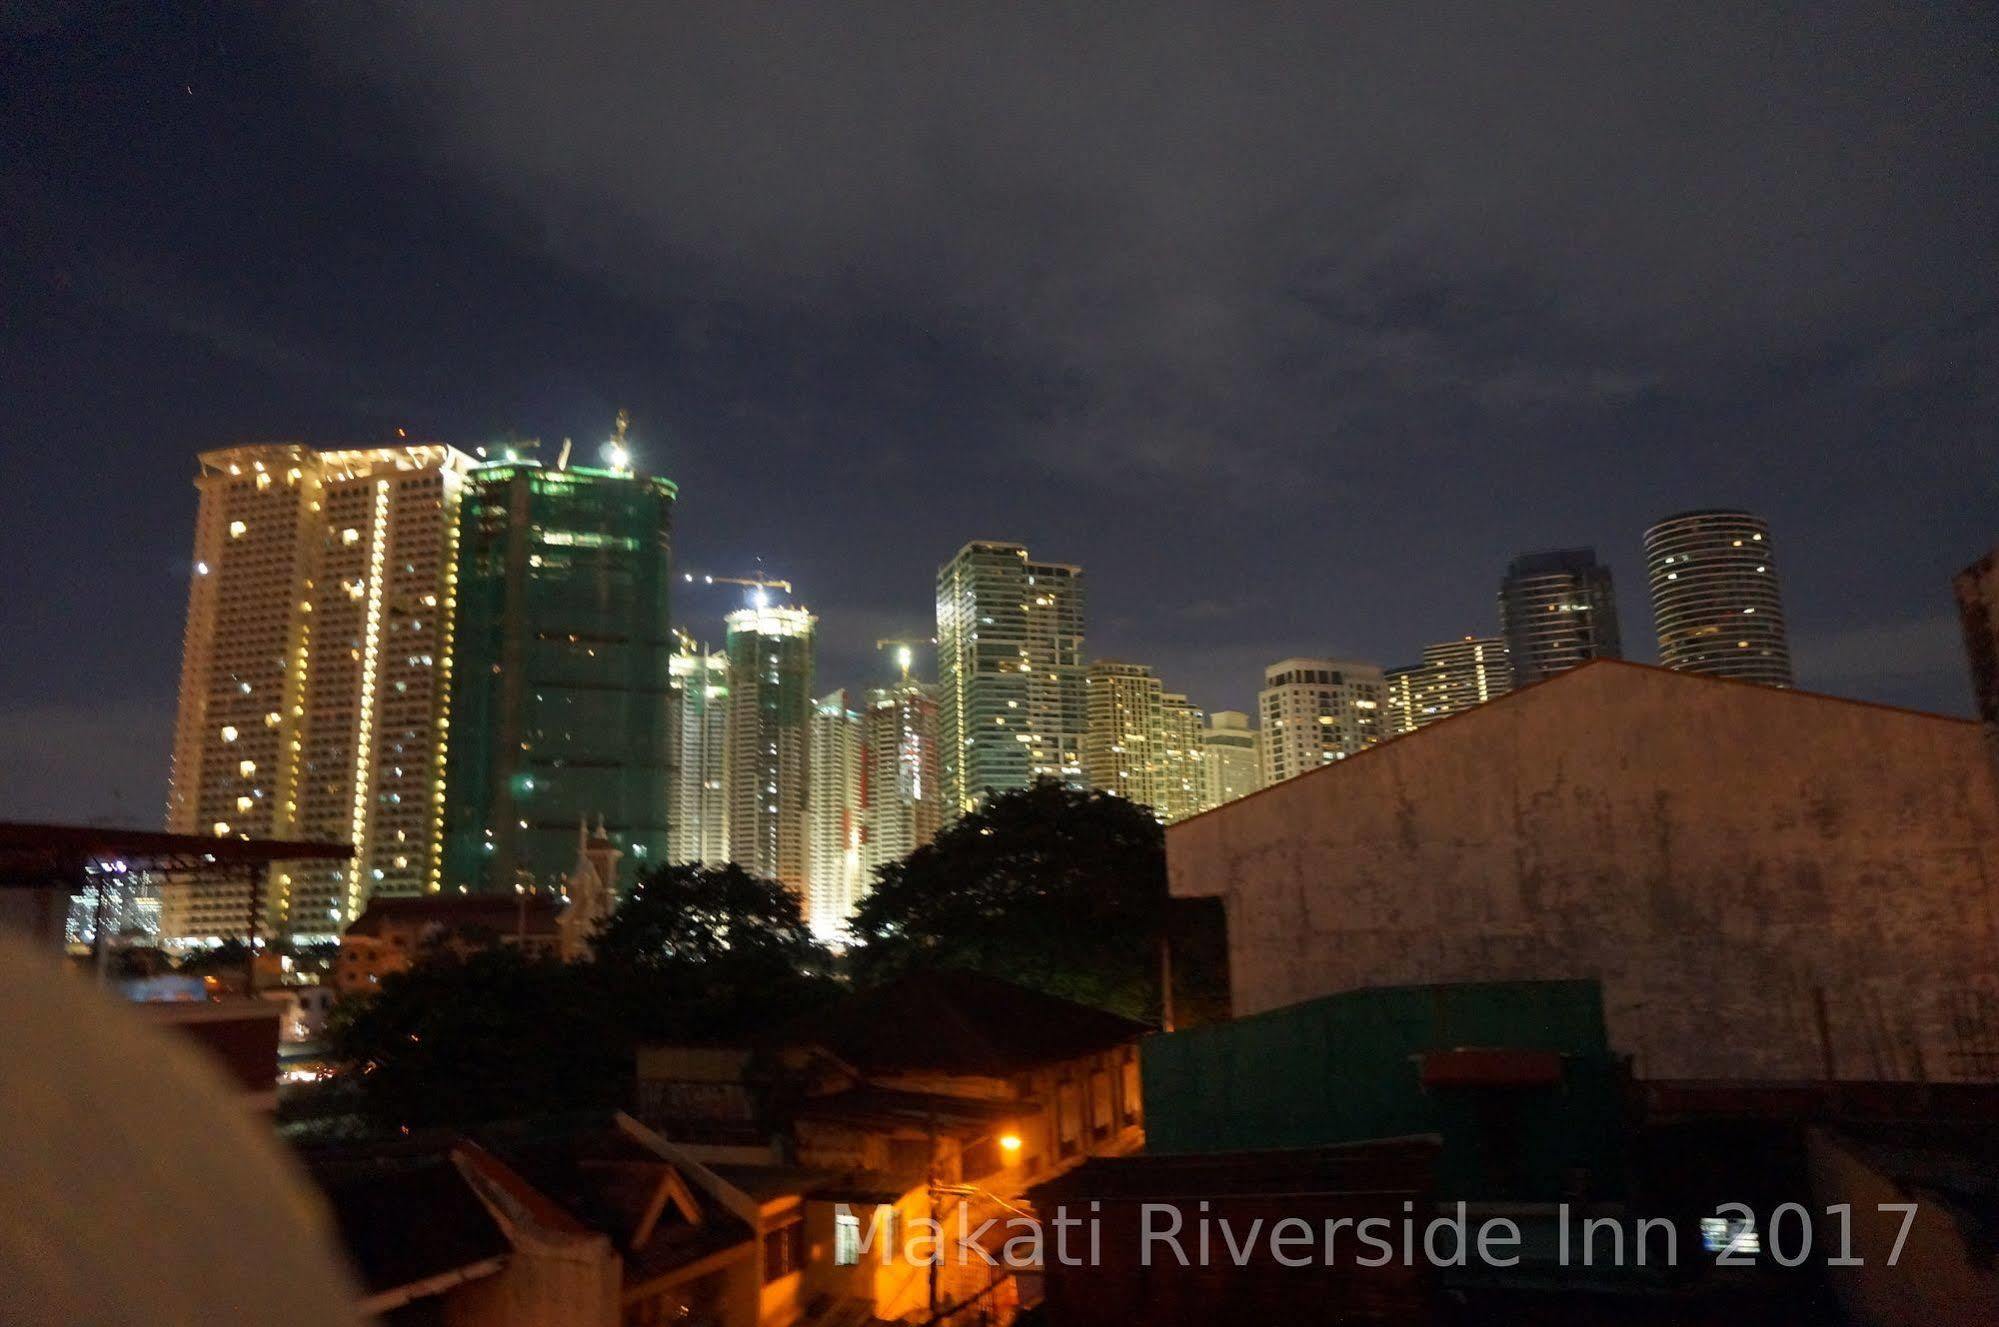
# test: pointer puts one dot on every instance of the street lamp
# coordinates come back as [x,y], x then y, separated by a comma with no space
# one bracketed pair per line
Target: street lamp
[1009,1145]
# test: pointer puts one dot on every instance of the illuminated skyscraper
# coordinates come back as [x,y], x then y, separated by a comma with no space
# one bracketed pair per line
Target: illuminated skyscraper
[564,670]
[1124,742]
[1715,599]
[1403,699]
[1557,610]
[1182,778]
[902,778]
[314,676]
[698,817]
[1454,676]
[1234,758]
[768,771]
[837,814]
[1011,695]
[902,785]
[1316,711]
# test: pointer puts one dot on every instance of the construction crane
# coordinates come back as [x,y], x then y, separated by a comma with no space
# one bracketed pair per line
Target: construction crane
[760,582]
[905,651]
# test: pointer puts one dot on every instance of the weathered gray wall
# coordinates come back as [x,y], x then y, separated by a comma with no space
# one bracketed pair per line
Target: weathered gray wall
[1725,858]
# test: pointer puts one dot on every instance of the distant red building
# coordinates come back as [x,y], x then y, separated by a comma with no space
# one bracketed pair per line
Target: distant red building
[391,932]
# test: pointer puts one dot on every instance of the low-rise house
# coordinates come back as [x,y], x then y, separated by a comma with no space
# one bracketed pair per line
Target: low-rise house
[391,933]
[941,1096]
[304,1009]
[557,1225]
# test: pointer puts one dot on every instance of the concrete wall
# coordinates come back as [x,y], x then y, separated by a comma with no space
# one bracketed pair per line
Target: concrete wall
[1728,860]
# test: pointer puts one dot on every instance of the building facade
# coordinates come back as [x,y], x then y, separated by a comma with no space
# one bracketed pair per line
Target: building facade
[1556,610]
[1232,758]
[837,817]
[1317,711]
[563,677]
[1769,884]
[902,783]
[1715,597]
[768,770]
[1404,686]
[315,676]
[1454,676]
[698,818]
[1124,742]
[1010,672]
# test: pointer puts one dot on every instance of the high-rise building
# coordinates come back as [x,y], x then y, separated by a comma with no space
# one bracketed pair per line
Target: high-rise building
[1403,699]
[1556,610]
[1182,777]
[563,681]
[837,817]
[768,770]
[1715,599]
[698,814]
[1316,711]
[902,784]
[1124,741]
[1977,591]
[1233,758]
[1454,676]
[1011,696]
[314,677]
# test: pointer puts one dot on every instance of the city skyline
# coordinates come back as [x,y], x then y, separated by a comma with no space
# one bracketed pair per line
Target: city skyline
[1147,786]
[1150,342]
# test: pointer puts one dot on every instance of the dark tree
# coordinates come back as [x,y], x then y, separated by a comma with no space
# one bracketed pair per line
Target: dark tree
[226,958]
[693,952]
[1057,889]
[712,951]
[493,1035]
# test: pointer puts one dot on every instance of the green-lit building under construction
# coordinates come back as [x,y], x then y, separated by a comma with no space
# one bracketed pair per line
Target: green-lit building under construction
[561,688]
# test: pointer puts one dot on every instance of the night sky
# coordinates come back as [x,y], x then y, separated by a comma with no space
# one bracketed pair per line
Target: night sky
[1292,325]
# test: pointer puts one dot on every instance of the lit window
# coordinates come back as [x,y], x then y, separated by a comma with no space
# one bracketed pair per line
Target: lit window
[228,732]
[350,536]
[237,529]
[221,828]
[1737,1235]
[846,1239]
[246,768]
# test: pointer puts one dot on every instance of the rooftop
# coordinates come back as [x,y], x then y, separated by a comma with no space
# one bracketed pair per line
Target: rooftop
[954,1022]
[34,854]
[500,912]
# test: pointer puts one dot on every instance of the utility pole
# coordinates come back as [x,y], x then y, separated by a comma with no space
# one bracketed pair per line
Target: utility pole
[936,1228]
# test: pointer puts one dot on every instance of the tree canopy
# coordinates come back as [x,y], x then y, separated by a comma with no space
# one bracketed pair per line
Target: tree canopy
[1055,888]
[692,951]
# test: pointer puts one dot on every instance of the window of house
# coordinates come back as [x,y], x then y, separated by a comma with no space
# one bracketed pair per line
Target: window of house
[846,1239]
[1132,1089]
[1100,1103]
[1068,1118]
[784,1250]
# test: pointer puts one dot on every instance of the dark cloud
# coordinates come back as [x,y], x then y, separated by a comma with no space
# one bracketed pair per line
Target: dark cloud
[1199,229]
[1291,323]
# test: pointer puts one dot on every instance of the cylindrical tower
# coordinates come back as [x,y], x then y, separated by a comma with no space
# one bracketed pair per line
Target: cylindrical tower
[1715,599]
